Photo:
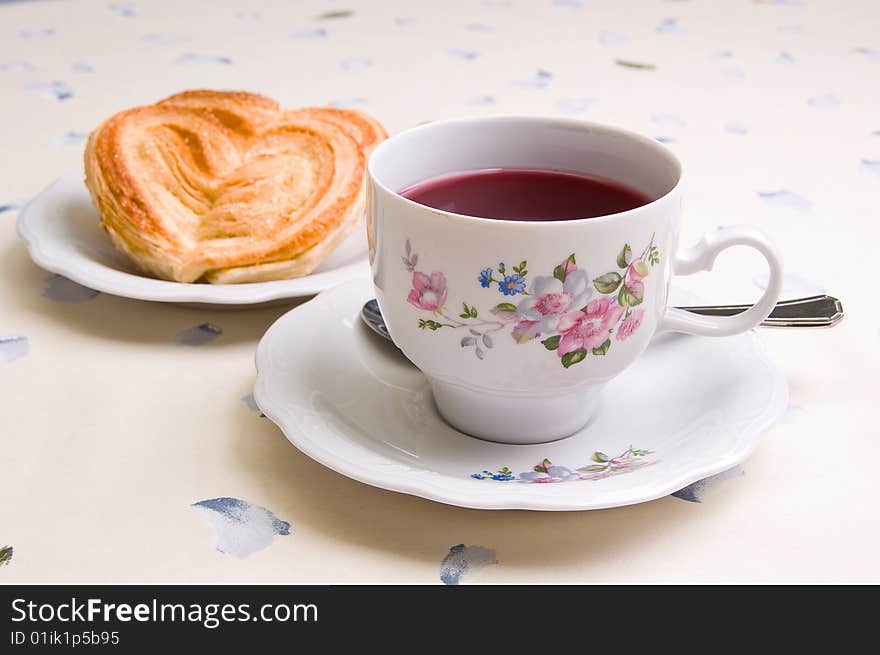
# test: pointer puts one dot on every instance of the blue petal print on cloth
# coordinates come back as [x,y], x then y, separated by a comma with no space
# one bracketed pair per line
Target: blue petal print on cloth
[870,53]
[785,58]
[665,139]
[786,198]
[72,137]
[16,65]
[242,529]
[198,335]
[309,33]
[612,38]
[159,38]
[126,9]
[12,348]
[537,80]
[82,66]
[870,167]
[733,73]
[476,101]
[794,414]
[734,127]
[36,32]
[11,206]
[56,90]
[667,119]
[343,103]
[6,555]
[61,289]
[479,27]
[251,404]
[461,53]
[825,100]
[355,63]
[695,492]
[669,26]
[197,58]
[461,560]
[574,105]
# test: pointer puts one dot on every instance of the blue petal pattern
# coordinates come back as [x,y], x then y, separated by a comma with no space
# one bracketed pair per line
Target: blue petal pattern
[787,198]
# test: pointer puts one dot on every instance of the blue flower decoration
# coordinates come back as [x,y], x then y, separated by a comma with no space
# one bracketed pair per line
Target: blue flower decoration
[502,477]
[512,285]
[485,277]
[476,476]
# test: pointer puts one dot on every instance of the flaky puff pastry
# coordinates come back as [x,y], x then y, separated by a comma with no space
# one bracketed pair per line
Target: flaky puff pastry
[226,187]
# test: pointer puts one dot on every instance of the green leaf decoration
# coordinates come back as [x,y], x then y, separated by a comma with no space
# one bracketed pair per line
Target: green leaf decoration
[625,257]
[607,283]
[503,307]
[601,350]
[543,466]
[627,298]
[641,268]
[593,468]
[653,255]
[473,312]
[559,271]
[641,453]
[571,359]
[552,343]
[600,457]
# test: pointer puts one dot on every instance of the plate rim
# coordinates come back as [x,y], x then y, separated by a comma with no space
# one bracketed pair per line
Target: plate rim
[408,481]
[29,224]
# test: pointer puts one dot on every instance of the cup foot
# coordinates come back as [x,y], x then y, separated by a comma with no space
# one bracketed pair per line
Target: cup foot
[515,418]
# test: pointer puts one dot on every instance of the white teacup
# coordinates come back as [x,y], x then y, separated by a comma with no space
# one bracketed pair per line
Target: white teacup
[529,367]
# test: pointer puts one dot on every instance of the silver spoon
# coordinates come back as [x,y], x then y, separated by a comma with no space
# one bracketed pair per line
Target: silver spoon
[815,311]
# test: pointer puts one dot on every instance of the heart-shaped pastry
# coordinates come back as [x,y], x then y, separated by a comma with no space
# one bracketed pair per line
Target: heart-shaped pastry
[227,187]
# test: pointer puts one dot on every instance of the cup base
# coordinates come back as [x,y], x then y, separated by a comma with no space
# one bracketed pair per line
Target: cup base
[515,418]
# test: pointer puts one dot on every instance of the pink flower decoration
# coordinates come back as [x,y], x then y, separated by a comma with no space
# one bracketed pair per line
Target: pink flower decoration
[630,325]
[633,270]
[590,328]
[551,304]
[636,288]
[526,330]
[568,266]
[428,292]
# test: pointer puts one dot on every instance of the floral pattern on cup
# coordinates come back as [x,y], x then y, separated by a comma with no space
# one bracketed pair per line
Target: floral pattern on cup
[566,311]
[602,467]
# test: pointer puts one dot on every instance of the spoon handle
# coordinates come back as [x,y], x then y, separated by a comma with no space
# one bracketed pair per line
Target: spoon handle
[815,311]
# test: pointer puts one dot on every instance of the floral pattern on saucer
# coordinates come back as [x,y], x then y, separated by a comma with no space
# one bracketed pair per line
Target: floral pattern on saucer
[558,309]
[602,467]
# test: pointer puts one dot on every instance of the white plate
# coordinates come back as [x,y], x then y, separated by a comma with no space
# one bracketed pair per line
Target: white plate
[350,400]
[63,234]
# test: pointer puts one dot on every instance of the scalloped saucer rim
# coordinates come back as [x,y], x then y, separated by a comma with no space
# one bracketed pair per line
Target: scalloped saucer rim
[63,235]
[366,412]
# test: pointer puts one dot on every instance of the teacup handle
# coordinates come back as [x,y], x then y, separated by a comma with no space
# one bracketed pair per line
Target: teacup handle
[700,258]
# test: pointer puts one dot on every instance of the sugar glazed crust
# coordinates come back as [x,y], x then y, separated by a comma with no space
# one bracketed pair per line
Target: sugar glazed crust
[226,187]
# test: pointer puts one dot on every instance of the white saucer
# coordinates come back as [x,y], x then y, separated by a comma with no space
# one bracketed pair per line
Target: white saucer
[689,408]
[63,234]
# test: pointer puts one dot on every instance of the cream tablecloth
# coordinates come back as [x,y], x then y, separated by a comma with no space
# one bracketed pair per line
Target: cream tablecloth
[126,449]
